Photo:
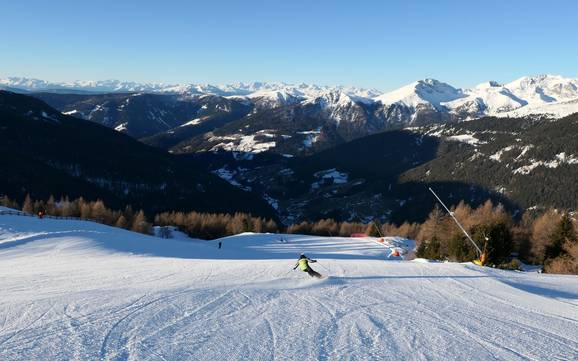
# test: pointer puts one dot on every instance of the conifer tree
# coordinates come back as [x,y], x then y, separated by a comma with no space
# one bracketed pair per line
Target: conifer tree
[257,225]
[435,225]
[271,226]
[8,203]
[373,229]
[121,222]
[85,209]
[51,206]
[98,211]
[38,206]
[541,231]
[563,233]
[128,214]
[496,238]
[28,206]
[140,223]
[65,208]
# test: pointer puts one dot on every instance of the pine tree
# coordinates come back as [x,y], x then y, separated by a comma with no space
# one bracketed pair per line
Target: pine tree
[121,222]
[436,225]
[247,224]
[235,225]
[271,226]
[38,206]
[542,229]
[372,229]
[85,209]
[140,223]
[257,225]
[51,206]
[496,237]
[5,201]
[98,211]
[429,249]
[564,232]
[460,249]
[66,209]
[8,203]
[28,206]
[128,214]
[74,207]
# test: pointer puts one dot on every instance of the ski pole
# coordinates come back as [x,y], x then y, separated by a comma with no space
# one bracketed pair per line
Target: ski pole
[323,267]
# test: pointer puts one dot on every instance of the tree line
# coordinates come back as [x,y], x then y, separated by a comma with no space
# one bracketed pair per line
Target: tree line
[546,238]
[194,224]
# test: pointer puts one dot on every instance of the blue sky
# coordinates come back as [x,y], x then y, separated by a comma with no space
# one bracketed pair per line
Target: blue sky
[381,44]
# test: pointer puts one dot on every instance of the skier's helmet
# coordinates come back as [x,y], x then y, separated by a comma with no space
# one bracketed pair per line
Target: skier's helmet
[302,255]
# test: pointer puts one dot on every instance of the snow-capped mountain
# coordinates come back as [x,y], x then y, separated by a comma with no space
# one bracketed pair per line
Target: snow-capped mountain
[339,106]
[485,99]
[428,91]
[544,88]
[143,115]
[274,98]
[551,95]
[543,94]
[102,86]
[296,119]
[236,89]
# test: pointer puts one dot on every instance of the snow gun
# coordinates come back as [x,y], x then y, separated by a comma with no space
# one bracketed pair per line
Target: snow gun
[482,255]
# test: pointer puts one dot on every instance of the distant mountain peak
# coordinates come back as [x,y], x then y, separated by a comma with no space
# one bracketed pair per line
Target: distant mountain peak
[429,94]
[426,91]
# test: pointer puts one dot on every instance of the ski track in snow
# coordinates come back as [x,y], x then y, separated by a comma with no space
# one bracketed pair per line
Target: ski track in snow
[76,290]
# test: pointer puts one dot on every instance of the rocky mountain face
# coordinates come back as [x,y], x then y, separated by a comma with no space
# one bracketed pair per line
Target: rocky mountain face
[294,119]
[143,115]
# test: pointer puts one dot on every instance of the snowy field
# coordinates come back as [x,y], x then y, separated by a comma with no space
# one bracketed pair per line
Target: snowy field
[73,290]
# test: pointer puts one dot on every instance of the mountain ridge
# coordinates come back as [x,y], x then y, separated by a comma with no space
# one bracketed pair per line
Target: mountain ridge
[45,152]
[540,93]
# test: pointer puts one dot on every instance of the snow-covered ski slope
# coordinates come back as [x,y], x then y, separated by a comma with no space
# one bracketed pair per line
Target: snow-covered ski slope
[73,290]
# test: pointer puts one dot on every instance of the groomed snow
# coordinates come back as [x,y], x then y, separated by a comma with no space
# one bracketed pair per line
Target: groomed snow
[74,290]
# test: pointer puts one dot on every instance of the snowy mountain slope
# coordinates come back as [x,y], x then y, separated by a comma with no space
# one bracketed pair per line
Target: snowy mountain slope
[551,95]
[544,88]
[489,98]
[339,106]
[275,98]
[80,290]
[220,117]
[427,91]
[558,109]
[486,98]
[142,115]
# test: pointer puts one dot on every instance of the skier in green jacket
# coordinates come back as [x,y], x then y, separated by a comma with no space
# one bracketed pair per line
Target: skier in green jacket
[303,264]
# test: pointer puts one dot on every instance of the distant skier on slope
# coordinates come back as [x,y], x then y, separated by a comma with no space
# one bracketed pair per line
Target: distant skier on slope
[303,264]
